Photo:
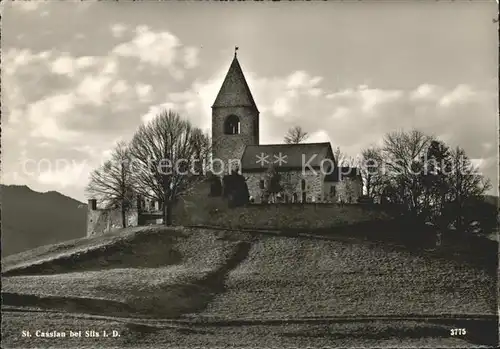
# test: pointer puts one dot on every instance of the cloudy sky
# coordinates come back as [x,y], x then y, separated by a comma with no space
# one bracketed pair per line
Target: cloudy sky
[77,77]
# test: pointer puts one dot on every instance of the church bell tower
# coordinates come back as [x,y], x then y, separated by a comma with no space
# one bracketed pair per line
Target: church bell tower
[235,120]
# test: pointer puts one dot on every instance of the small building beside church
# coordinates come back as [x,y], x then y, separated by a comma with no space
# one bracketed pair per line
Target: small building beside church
[308,171]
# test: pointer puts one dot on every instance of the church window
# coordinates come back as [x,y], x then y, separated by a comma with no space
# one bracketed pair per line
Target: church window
[303,184]
[261,184]
[294,197]
[232,125]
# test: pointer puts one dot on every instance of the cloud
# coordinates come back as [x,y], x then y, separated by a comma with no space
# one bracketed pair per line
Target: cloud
[461,94]
[87,102]
[156,48]
[91,89]
[118,30]
[425,91]
[67,174]
[15,59]
[28,6]
[55,164]
[155,110]
[159,49]
[64,65]
[43,116]
[57,96]
[281,106]
[196,101]
[356,117]
[370,98]
[143,91]
[285,97]
[340,113]
[318,137]
[120,87]
[110,65]
[86,62]
[191,59]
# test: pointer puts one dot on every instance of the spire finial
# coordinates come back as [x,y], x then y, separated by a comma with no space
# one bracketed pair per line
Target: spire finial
[235,49]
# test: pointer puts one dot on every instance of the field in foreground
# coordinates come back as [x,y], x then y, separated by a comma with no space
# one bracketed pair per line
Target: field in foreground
[188,287]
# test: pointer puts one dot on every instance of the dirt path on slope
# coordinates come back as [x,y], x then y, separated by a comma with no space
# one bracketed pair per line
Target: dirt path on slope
[168,300]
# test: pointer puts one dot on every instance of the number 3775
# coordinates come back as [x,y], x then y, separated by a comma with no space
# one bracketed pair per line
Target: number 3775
[458,331]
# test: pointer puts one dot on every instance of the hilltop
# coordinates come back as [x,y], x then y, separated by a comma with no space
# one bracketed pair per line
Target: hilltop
[31,219]
[173,285]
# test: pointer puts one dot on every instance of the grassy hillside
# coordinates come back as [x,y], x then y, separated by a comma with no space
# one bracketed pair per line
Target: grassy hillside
[292,277]
[31,219]
[137,271]
[192,287]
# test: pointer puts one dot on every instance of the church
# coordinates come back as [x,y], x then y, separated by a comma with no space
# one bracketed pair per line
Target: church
[308,171]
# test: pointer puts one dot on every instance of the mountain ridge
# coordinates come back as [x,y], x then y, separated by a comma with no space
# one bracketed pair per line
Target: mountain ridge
[31,219]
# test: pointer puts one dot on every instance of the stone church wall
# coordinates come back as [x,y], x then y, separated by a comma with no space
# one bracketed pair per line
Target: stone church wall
[101,221]
[288,216]
[347,191]
[199,208]
[291,182]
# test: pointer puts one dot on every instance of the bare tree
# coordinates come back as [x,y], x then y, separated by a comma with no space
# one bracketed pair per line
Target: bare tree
[371,172]
[113,182]
[436,165]
[296,135]
[402,153]
[170,157]
[428,180]
[465,183]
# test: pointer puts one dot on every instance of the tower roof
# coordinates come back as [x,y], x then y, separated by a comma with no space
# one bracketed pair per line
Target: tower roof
[234,91]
